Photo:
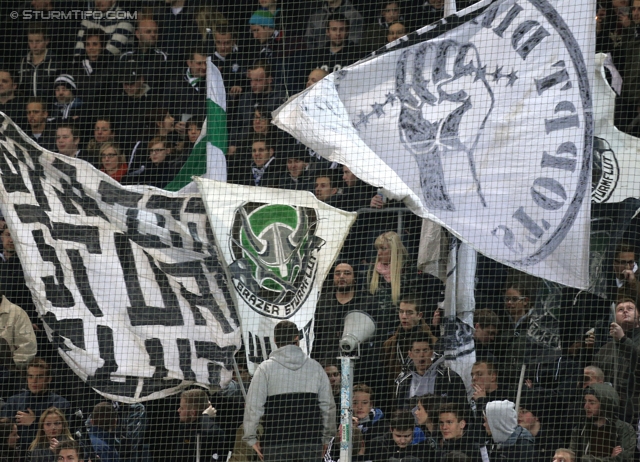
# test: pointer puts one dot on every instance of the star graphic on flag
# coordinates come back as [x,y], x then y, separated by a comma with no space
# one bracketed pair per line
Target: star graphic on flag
[363,119]
[390,98]
[378,109]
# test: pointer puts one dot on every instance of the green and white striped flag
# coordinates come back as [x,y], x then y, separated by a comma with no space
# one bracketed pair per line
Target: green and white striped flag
[207,159]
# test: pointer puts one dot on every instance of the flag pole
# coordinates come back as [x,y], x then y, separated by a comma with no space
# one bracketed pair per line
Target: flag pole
[520,383]
[235,368]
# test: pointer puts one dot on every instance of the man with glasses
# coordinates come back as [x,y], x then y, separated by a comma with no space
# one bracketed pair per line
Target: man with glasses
[618,358]
[25,408]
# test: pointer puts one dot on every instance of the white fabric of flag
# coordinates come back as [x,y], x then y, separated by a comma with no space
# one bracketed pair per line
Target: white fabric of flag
[126,279]
[615,154]
[207,158]
[482,123]
[279,247]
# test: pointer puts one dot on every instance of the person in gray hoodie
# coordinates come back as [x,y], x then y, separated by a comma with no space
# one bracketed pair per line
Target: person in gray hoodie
[603,437]
[292,395]
[509,441]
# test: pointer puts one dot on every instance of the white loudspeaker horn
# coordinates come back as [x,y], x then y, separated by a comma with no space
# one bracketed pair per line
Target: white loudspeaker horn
[358,328]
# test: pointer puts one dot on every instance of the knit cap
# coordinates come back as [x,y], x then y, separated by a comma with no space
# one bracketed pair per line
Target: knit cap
[263,18]
[67,80]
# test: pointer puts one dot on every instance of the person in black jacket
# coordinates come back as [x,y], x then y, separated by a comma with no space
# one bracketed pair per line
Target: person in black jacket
[537,414]
[456,433]
[145,53]
[428,376]
[300,172]
[395,444]
[356,194]
[197,433]
[40,67]
[338,50]
[266,170]
[227,59]
[326,186]
[159,169]
[486,385]
[39,128]
[27,407]
[188,91]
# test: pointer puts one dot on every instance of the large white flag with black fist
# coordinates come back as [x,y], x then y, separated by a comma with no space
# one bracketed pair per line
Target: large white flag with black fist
[128,281]
[482,122]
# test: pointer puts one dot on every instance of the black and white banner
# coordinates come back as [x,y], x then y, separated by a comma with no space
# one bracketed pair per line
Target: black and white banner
[482,123]
[279,247]
[127,280]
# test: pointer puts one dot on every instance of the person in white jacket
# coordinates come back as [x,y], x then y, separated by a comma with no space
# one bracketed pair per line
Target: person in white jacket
[17,330]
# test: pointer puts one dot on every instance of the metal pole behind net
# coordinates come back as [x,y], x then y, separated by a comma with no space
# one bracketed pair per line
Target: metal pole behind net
[346,385]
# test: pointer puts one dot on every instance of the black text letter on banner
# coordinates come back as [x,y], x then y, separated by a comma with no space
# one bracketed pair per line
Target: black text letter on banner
[57,293]
[139,313]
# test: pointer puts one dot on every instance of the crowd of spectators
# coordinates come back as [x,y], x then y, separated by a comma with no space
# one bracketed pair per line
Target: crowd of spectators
[135,70]
[127,94]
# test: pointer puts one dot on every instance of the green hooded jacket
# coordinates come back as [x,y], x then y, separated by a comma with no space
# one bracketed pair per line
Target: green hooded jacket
[625,435]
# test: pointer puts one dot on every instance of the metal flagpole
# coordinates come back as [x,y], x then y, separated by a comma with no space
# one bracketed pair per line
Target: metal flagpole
[346,413]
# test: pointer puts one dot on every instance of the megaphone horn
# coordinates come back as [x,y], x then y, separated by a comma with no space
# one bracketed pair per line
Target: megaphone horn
[358,328]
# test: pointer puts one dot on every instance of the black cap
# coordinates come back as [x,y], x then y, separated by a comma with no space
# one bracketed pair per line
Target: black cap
[540,405]
[295,151]
[129,73]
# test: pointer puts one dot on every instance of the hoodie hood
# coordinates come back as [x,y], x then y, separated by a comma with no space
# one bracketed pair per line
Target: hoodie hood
[290,356]
[502,419]
[608,397]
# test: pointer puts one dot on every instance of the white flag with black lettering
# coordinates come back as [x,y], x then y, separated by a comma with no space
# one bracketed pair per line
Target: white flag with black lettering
[279,246]
[127,280]
[482,123]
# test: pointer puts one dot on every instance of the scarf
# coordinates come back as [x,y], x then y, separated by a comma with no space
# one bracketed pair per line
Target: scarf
[65,108]
[384,271]
[88,68]
[122,171]
[193,81]
[258,172]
